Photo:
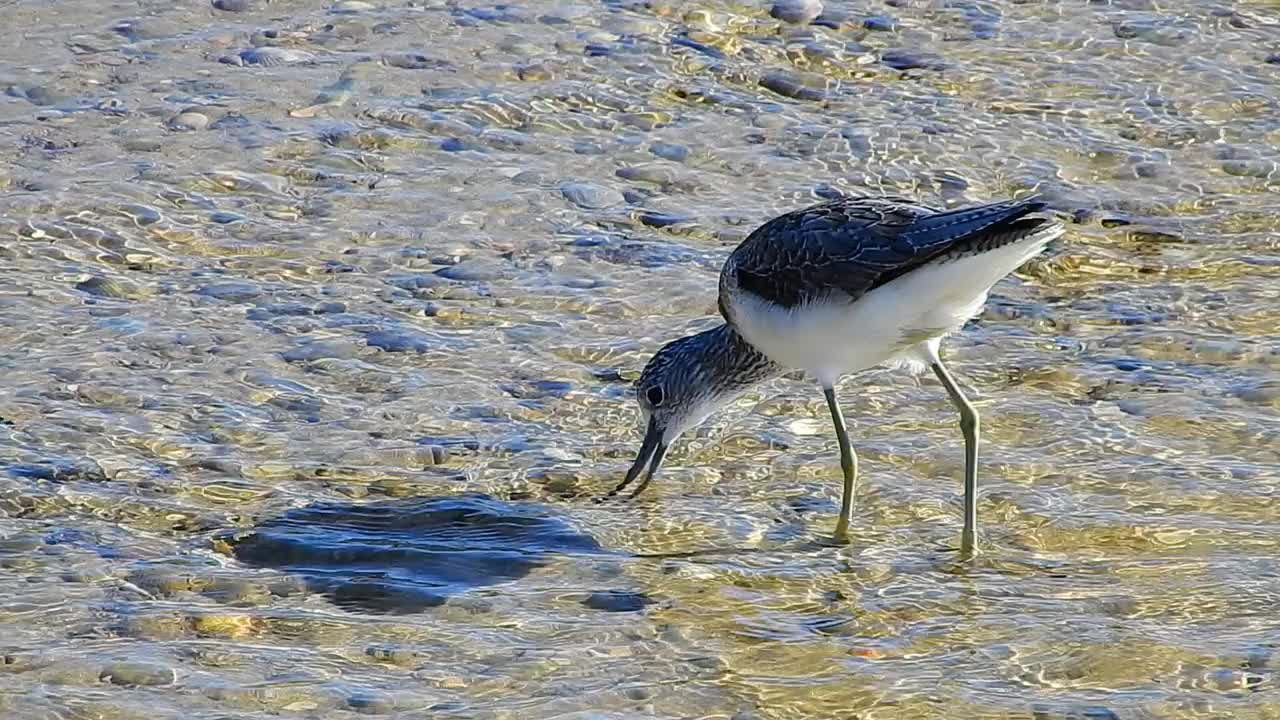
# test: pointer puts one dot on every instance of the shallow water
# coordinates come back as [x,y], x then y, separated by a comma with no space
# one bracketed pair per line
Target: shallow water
[291,275]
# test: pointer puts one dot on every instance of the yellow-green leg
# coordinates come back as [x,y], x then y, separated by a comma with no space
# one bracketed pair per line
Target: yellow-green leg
[848,464]
[969,428]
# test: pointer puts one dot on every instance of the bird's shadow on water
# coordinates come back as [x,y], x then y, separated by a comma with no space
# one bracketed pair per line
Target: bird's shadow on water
[406,556]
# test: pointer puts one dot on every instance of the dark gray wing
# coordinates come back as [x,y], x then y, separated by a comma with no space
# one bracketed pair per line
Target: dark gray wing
[854,245]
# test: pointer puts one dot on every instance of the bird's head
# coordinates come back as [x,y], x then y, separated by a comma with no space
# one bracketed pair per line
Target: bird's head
[676,392]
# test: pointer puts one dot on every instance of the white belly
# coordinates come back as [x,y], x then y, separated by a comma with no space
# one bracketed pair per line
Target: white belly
[901,321]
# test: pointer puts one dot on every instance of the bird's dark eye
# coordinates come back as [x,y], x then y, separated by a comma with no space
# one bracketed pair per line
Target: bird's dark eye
[654,395]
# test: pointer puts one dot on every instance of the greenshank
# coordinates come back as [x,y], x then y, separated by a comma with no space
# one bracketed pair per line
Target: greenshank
[833,289]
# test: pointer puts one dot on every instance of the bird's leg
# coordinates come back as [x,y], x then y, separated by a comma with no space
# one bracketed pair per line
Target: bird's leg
[969,427]
[848,464]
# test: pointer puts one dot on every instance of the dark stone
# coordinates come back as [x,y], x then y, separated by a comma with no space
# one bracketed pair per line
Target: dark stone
[636,196]
[454,144]
[538,389]
[415,282]
[659,219]
[280,309]
[230,5]
[230,121]
[136,673]
[223,217]
[707,50]
[1254,168]
[828,192]
[590,196]
[398,341]
[670,151]
[1126,30]
[832,18]
[413,61]
[617,601]
[475,270]
[900,59]
[800,86]
[231,291]
[800,12]
[320,350]
[449,443]
[881,23]
[57,471]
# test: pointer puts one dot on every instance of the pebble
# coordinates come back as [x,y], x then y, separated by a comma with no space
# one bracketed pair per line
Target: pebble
[566,14]
[797,85]
[591,196]
[770,121]
[617,601]
[1254,168]
[649,172]
[223,217]
[881,23]
[473,270]
[637,196]
[533,72]
[137,673]
[398,341]
[371,703]
[707,50]
[110,288]
[351,7]
[391,654]
[240,593]
[21,544]
[454,144]
[223,625]
[141,215]
[583,147]
[660,219]
[1265,392]
[799,12]
[571,46]
[16,662]
[670,151]
[268,57]
[162,626]
[271,310]
[351,30]
[320,350]
[900,59]
[141,145]
[230,5]
[161,582]
[832,18]
[646,121]
[188,120]
[413,61]
[231,291]
[416,281]
[36,95]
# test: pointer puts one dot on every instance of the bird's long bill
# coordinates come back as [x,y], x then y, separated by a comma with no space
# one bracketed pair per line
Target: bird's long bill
[651,452]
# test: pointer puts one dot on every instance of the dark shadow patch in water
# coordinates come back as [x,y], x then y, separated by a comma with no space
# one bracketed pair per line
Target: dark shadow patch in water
[408,555]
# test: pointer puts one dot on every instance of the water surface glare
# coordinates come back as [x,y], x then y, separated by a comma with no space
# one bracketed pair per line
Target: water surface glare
[320,319]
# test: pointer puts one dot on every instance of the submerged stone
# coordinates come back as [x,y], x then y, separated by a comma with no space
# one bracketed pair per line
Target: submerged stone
[617,601]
